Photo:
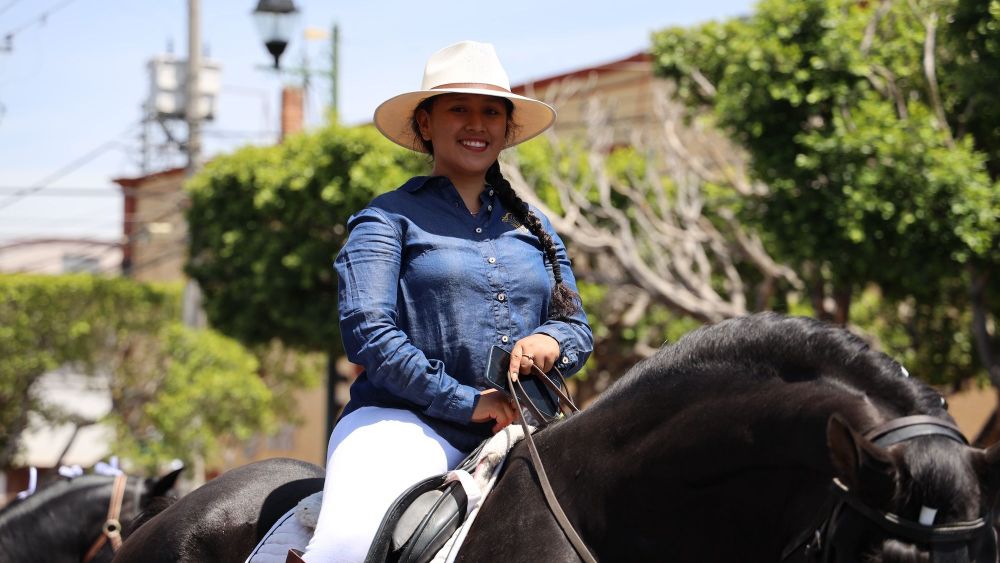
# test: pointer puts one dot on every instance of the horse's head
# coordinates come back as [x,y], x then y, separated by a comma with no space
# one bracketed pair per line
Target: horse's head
[909,490]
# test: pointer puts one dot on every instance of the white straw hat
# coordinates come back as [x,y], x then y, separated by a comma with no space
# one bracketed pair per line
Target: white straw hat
[467,67]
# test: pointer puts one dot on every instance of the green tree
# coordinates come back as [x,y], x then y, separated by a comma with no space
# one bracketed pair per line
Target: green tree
[46,322]
[844,113]
[971,83]
[199,390]
[267,222]
[176,392]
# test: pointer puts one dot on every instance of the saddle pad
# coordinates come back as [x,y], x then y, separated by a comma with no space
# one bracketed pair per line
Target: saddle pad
[485,475]
[290,531]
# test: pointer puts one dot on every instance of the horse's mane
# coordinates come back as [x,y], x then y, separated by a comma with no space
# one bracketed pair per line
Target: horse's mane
[155,506]
[50,492]
[770,345]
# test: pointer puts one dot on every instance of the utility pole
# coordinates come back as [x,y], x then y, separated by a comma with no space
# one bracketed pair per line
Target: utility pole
[191,107]
[334,71]
[192,314]
[192,293]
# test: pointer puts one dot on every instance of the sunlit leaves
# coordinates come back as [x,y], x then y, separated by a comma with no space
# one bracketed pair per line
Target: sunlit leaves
[266,224]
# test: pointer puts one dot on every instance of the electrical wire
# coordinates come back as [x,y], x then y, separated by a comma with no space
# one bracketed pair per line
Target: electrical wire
[39,19]
[9,4]
[72,166]
[85,191]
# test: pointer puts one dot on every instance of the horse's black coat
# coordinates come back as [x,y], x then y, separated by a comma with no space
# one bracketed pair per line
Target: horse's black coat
[721,447]
[60,522]
[223,520]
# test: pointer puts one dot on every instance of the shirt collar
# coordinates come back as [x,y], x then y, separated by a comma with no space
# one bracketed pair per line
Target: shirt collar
[417,182]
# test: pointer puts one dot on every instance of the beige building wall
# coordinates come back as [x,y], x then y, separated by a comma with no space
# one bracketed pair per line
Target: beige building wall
[155,229]
[61,256]
[305,441]
[971,408]
[619,94]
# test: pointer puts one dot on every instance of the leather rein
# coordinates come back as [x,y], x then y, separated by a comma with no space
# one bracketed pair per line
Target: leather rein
[514,385]
[815,540]
[111,531]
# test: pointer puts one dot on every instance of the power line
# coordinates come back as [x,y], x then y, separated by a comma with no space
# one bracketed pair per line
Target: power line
[39,19]
[9,4]
[69,191]
[86,158]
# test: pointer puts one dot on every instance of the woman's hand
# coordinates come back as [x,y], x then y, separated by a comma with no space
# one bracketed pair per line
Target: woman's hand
[540,349]
[494,405]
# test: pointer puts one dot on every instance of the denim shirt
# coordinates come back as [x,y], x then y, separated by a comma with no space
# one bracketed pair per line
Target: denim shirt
[426,289]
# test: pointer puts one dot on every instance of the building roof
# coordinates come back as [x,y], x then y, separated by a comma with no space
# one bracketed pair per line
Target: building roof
[140,180]
[640,60]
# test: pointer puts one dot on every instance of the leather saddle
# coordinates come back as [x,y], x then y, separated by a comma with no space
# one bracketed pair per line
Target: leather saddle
[419,522]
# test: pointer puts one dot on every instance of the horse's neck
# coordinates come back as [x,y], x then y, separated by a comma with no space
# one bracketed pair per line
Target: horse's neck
[769,424]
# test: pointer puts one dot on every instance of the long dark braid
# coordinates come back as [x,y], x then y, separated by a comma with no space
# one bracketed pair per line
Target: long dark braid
[565,301]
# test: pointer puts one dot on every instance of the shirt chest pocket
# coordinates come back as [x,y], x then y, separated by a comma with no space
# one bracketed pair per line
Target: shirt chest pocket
[440,266]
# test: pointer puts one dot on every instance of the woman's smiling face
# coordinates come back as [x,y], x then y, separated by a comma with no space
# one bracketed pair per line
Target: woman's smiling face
[467,131]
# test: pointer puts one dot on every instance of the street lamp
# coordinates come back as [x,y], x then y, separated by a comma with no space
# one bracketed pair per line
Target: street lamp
[275,21]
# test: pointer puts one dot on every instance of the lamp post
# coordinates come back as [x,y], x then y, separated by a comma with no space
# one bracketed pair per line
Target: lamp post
[275,20]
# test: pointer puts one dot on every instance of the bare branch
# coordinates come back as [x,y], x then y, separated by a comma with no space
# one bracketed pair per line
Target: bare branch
[657,233]
[869,37]
[930,66]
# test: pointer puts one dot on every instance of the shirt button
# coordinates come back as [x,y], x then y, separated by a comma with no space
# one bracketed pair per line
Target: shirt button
[479,230]
[491,260]
[501,296]
[505,339]
[491,192]
[489,208]
[565,360]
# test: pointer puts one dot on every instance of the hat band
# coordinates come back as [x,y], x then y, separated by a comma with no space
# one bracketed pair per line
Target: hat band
[471,85]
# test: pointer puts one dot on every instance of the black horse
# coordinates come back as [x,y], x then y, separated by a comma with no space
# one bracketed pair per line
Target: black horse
[764,438]
[65,520]
[224,519]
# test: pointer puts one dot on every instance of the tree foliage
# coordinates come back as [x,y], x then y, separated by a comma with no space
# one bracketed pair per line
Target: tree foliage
[176,392]
[870,125]
[833,102]
[266,224]
[46,322]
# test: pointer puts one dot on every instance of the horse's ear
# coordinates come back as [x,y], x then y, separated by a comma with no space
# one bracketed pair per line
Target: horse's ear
[160,487]
[866,469]
[987,464]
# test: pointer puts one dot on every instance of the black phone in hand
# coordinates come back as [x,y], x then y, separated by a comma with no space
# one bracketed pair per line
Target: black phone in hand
[497,366]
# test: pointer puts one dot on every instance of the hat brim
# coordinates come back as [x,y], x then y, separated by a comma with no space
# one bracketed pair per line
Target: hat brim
[392,117]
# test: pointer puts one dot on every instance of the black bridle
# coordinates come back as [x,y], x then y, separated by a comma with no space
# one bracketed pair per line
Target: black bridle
[846,517]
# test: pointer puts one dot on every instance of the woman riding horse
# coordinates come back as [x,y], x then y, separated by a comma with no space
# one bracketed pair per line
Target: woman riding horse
[721,447]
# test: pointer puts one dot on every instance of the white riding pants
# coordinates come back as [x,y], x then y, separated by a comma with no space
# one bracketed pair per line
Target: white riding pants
[375,454]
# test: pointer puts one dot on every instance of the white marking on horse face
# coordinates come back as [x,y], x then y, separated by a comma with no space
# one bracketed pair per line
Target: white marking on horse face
[927,515]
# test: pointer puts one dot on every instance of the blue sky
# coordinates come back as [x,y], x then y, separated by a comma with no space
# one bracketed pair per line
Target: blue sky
[71,88]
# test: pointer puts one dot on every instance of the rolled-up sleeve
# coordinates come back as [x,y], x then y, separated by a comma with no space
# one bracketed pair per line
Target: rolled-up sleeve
[369,268]
[573,333]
